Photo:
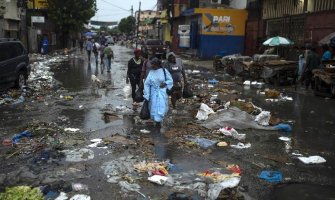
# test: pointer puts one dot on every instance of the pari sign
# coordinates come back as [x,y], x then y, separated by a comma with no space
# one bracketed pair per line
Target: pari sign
[222,21]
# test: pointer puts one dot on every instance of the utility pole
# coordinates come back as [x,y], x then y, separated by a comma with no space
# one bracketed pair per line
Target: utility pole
[132,11]
[138,23]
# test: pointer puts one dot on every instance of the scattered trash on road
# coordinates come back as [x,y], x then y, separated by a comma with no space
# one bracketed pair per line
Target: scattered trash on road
[283,127]
[17,137]
[74,130]
[145,131]
[80,197]
[158,179]
[271,176]
[62,196]
[203,112]
[231,132]
[78,155]
[79,187]
[241,145]
[263,118]
[202,142]
[312,160]
[286,139]
[222,144]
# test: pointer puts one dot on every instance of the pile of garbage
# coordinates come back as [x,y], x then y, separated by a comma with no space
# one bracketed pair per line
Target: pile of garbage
[42,140]
[39,84]
[44,192]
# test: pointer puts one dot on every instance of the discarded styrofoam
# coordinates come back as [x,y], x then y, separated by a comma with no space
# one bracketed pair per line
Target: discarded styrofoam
[241,145]
[74,130]
[247,83]
[96,144]
[160,180]
[144,131]
[263,118]
[78,155]
[80,197]
[286,139]
[216,188]
[203,112]
[62,196]
[227,105]
[312,160]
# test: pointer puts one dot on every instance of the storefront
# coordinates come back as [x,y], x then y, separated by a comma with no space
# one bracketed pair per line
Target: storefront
[216,31]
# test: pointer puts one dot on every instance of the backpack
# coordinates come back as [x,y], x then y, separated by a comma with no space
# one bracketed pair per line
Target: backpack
[95,50]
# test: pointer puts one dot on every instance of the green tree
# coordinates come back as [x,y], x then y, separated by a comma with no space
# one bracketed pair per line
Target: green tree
[69,16]
[127,25]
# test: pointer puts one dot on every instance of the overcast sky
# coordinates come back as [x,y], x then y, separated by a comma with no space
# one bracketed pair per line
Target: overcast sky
[115,10]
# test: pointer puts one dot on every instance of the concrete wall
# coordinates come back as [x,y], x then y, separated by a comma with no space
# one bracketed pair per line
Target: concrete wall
[319,25]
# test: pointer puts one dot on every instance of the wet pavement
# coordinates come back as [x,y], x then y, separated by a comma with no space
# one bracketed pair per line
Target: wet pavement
[104,112]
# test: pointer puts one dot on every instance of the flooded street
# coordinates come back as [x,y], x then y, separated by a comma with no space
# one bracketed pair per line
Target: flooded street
[109,169]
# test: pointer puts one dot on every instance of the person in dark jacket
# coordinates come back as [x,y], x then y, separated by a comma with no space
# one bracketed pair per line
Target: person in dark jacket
[175,66]
[134,72]
[313,61]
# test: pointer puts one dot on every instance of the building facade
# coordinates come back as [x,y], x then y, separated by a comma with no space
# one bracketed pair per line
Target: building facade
[303,21]
[204,28]
[10,19]
[149,21]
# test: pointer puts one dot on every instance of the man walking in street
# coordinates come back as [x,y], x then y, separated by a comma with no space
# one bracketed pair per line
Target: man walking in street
[175,67]
[95,50]
[89,48]
[102,54]
[108,51]
[134,72]
[81,44]
[312,62]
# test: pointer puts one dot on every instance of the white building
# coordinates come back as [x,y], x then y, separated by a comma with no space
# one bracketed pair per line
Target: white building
[10,18]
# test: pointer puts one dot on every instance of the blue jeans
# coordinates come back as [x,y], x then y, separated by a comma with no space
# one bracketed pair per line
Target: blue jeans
[109,62]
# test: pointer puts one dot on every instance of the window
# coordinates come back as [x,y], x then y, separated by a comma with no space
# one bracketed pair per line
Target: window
[12,50]
[19,49]
[4,53]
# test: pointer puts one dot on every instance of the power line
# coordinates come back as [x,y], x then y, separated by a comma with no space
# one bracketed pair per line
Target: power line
[115,5]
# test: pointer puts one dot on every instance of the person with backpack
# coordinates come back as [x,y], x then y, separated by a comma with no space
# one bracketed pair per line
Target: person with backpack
[145,68]
[96,46]
[175,66]
[108,51]
[89,47]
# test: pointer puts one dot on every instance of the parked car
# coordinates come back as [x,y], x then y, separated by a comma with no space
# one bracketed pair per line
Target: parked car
[154,47]
[14,62]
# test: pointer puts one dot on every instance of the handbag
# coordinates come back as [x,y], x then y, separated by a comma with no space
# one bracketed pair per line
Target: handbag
[169,92]
[145,112]
[139,95]
[187,93]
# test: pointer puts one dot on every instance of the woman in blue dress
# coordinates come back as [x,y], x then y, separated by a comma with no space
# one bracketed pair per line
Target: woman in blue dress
[155,90]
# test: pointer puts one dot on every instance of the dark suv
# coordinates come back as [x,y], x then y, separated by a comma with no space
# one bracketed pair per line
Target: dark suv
[14,62]
[154,47]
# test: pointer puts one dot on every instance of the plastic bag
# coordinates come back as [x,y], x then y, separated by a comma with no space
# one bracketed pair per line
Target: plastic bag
[145,112]
[187,93]
[139,95]
[263,118]
[127,91]
[203,112]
